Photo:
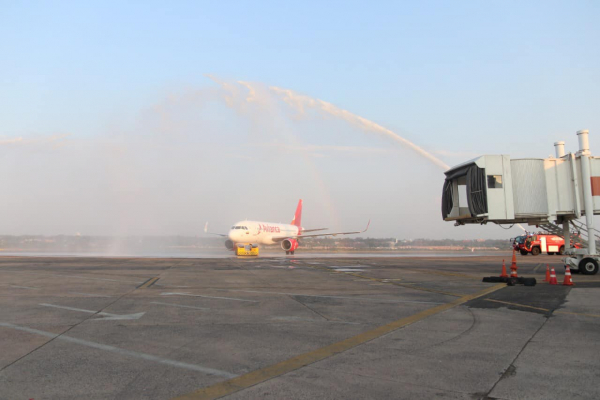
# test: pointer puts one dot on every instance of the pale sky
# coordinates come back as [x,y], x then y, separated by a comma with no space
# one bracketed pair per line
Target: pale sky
[155,117]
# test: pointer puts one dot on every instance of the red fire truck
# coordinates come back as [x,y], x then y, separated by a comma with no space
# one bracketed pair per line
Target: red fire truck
[541,243]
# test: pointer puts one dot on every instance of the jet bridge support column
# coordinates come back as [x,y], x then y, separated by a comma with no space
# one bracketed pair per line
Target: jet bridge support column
[567,234]
[588,200]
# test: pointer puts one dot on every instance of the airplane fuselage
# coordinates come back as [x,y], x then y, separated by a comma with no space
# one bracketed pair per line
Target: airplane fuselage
[257,232]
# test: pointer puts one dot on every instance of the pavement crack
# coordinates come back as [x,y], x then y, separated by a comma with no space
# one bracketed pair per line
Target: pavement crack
[511,369]
[474,322]
[311,309]
[75,325]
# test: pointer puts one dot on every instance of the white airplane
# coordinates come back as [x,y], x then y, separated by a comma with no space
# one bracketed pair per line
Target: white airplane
[255,233]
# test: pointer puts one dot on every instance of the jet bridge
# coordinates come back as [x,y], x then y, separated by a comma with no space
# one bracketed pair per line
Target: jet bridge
[536,191]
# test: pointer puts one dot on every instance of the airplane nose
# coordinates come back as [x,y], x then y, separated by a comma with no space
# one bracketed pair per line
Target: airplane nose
[231,235]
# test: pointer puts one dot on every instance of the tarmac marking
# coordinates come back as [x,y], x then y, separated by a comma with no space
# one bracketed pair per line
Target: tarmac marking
[518,305]
[300,319]
[108,316]
[208,297]
[179,305]
[124,352]
[90,294]
[95,279]
[544,309]
[576,313]
[255,377]
[396,283]
[537,267]
[334,297]
[148,283]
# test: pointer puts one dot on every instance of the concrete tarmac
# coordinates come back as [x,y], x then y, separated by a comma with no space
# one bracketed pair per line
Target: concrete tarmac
[294,328]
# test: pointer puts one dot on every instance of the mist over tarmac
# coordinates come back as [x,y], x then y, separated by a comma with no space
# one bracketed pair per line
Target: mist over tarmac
[221,153]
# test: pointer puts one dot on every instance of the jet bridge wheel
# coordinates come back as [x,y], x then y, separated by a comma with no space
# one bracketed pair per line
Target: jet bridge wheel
[588,266]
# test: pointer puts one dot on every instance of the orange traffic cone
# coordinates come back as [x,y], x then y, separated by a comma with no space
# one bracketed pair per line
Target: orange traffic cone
[514,260]
[553,277]
[547,273]
[568,281]
[503,274]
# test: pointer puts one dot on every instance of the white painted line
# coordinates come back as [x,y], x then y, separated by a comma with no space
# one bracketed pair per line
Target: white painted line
[89,294]
[179,305]
[100,279]
[108,316]
[120,351]
[335,297]
[348,270]
[23,287]
[300,319]
[37,274]
[166,284]
[208,297]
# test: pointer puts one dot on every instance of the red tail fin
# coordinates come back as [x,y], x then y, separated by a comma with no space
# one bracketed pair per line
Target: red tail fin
[298,216]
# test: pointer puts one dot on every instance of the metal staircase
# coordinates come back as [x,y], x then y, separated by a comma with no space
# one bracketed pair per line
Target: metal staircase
[578,232]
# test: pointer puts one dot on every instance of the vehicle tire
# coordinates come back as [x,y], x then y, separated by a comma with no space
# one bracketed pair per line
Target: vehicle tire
[523,252]
[588,266]
[535,251]
[561,251]
[550,254]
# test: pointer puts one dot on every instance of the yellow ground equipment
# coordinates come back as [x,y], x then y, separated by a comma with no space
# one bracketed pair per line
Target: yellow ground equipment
[246,250]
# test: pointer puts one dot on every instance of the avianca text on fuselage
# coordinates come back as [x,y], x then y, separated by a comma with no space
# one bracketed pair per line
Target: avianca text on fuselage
[268,228]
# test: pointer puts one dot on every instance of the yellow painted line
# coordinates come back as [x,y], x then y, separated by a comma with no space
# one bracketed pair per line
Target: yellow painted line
[149,283]
[576,313]
[261,375]
[517,304]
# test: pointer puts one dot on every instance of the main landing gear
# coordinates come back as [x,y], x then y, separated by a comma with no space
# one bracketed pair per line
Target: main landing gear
[287,253]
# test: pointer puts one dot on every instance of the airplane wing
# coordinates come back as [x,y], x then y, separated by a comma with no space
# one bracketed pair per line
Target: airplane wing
[281,238]
[211,233]
[314,230]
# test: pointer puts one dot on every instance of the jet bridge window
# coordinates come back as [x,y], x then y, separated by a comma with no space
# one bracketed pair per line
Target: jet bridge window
[494,181]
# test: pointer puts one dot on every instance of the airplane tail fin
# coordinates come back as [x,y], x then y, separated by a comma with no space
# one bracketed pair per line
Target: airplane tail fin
[297,221]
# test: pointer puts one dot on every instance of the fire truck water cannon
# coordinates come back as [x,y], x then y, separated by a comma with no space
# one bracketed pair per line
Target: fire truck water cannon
[543,192]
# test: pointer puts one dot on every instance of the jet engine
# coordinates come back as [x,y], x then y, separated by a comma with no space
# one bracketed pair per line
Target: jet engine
[229,244]
[289,244]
